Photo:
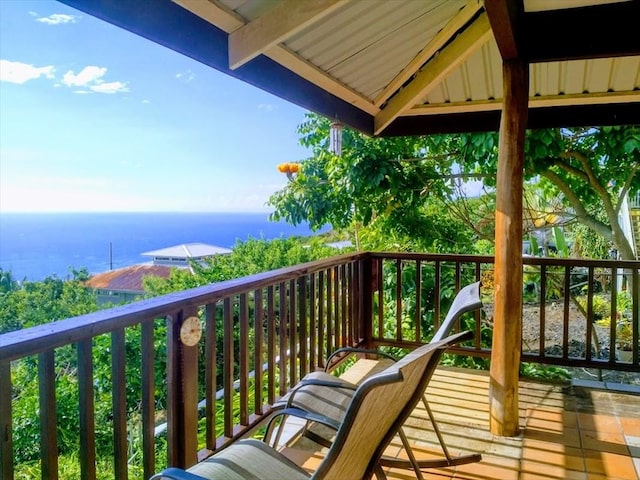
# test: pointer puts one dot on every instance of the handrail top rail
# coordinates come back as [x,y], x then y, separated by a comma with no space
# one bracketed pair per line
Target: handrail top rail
[526,260]
[40,338]
[34,340]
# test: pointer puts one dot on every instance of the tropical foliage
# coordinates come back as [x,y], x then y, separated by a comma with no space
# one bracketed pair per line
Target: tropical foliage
[401,188]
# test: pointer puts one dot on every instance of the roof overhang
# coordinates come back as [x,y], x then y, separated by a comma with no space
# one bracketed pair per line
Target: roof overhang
[404,68]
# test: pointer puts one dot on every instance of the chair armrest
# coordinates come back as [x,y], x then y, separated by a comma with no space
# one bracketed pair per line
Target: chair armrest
[337,383]
[174,473]
[309,416]
[368,351]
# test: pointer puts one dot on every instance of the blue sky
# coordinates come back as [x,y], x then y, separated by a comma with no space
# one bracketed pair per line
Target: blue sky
[94,118]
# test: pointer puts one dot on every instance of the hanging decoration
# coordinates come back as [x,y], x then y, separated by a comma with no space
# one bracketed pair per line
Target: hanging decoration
[335,138]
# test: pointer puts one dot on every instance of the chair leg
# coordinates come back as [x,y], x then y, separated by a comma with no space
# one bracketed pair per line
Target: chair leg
[436,428]
[409,450]
[414,464]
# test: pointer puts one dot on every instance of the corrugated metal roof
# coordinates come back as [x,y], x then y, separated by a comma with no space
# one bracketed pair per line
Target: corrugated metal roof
[370,62]
[368,42]
[188,250]
[128,279]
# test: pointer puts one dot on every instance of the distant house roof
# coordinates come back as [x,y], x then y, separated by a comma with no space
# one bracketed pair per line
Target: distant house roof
[188,250]
[340,244]
[128,279]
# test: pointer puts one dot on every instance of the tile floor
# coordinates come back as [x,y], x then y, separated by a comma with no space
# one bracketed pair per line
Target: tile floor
[567,432]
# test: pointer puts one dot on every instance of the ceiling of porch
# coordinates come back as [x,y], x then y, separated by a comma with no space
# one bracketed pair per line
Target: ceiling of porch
[409,67]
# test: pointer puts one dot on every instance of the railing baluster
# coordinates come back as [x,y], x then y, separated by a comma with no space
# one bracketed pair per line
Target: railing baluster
[399,300]
[86,410]
[148,398]
[314,334]
[356,292]
[119,400]
[543,310]
[258,360]
[635,317]
[337,333]
[48,412]
[211,374]
[329,317]
[477,338]
[228,361]
[380,285]
[344,327]
[436,306]
[6,422]
[321,318]
[589,319]
[418,317]
[271,345]
[283,321]
[565,316]
[303,321]
[614,314]
[293,334]
[243,368]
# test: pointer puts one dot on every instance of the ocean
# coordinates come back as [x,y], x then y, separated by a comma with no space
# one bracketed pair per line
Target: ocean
[34,245]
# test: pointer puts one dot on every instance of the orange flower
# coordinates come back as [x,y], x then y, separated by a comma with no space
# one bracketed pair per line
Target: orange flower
[288,168]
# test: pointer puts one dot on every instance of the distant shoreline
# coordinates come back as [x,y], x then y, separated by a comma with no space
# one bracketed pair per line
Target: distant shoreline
[37,245]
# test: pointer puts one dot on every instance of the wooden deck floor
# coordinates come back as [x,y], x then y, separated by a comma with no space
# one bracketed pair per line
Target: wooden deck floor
[572,432]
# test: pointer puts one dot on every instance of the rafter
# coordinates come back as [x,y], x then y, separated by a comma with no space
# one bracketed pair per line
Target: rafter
[308,71]
[214,13]
[283,19]
[448,59]
[534,102]
[442,37]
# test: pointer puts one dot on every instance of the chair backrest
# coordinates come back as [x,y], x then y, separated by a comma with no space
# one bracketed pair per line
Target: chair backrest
[467,299]
[379,407]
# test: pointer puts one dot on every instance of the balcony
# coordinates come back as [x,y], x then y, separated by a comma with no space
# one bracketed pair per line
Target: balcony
[191,396]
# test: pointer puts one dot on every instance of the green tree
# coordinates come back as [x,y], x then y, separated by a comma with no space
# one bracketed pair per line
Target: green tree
[388,183]
[382,184]
[589,169]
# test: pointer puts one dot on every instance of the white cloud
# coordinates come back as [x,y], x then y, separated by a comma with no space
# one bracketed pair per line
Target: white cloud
[187,76]
[18,72]
[56,19]
[266,107]
[88,75]
[110,87]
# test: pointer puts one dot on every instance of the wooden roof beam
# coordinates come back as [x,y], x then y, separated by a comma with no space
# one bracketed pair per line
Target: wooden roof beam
[598,31]
[505,19]
[282,20]
[448,59]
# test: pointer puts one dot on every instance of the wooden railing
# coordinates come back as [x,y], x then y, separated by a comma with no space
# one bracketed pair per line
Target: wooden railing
[560,294]
[263,333]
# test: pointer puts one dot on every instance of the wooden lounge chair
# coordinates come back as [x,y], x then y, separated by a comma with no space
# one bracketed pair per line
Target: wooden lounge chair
[376,411]
[324,397]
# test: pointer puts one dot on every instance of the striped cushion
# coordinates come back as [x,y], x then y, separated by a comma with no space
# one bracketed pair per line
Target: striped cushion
[249,460]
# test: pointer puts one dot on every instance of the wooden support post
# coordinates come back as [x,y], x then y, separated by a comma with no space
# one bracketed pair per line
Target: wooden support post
[182,386]
[507,327]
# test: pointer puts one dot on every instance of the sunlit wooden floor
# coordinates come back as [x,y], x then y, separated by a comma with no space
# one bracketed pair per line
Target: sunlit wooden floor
[567,432]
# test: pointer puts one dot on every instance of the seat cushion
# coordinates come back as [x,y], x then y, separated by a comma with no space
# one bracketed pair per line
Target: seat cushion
[248,460]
